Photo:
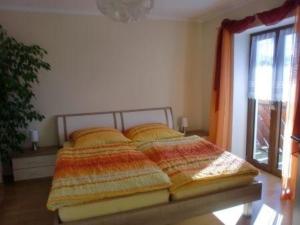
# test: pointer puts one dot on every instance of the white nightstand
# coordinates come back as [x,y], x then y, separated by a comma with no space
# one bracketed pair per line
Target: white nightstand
[34,164]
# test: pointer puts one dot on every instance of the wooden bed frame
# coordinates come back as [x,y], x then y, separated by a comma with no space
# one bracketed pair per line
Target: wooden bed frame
[176,211]
[162,214]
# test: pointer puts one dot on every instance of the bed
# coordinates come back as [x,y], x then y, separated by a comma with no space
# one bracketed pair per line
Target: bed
[162,208]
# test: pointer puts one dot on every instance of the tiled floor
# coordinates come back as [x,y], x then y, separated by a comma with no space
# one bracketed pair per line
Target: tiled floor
[24,204]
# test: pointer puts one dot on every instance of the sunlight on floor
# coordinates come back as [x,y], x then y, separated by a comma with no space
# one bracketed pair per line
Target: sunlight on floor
[279,219]
[266,216]
[230,216]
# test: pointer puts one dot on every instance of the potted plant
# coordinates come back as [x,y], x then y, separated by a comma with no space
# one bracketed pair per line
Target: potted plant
[19,68]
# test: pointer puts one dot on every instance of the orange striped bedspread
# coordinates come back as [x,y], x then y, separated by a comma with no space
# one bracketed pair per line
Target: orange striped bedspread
[188,160]
[85,175]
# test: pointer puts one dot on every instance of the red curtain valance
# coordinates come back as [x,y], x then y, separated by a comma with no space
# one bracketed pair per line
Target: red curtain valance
[237,26]
[275,15]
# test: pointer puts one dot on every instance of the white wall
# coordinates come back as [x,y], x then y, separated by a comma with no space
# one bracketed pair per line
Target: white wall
[100,65]
[240,87]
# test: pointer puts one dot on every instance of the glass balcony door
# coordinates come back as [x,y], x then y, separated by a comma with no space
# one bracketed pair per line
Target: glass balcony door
[268,94]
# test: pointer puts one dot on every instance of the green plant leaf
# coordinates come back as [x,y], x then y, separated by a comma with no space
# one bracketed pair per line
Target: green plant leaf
[20,66]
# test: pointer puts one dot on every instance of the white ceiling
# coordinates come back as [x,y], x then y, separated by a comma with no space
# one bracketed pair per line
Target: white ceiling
[200,10]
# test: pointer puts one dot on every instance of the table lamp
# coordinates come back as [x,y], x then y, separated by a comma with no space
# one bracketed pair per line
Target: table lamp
[184,124]
[34,139]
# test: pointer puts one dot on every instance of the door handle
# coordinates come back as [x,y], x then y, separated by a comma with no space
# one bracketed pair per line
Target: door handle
[273,105]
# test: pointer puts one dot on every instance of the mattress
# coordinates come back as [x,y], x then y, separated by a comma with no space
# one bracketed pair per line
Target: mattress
[111,206]
[208,187]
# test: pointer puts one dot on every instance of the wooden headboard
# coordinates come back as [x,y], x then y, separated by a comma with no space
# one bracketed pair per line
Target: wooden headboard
[120,120]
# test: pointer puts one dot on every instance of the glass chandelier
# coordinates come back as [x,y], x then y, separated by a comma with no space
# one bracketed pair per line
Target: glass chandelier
[125,10]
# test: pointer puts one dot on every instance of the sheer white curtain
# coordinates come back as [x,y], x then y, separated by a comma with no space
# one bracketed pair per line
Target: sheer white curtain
[270,66]
[284,58]
[261,66]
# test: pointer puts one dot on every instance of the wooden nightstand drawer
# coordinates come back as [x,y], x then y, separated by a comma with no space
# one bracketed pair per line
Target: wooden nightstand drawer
[32,173]
[30,164]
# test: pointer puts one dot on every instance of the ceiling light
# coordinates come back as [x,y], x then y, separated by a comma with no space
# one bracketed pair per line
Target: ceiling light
[125,10]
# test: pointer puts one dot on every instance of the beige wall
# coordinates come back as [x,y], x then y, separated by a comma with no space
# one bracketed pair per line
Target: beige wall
[100,65]
[209,30]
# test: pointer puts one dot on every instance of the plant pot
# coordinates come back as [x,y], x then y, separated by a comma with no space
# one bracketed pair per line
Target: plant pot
[7,171]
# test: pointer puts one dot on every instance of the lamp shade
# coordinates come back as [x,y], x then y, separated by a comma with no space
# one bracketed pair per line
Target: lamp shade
[34,135]
[184,122]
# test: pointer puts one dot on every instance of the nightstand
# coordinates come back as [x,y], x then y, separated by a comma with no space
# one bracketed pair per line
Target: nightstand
[34,164]
[201,133]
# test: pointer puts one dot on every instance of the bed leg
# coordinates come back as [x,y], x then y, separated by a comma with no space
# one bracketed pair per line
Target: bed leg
[247,211]
[56,219]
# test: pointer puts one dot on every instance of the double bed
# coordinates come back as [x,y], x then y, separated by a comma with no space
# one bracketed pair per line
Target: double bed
[165,205]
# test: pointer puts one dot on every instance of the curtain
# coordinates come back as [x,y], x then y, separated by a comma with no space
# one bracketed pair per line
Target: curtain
[228,27]
[221,104]
[273,16]
[220,116]
[296,127]
[283,76]
[261,62]
[290,161]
